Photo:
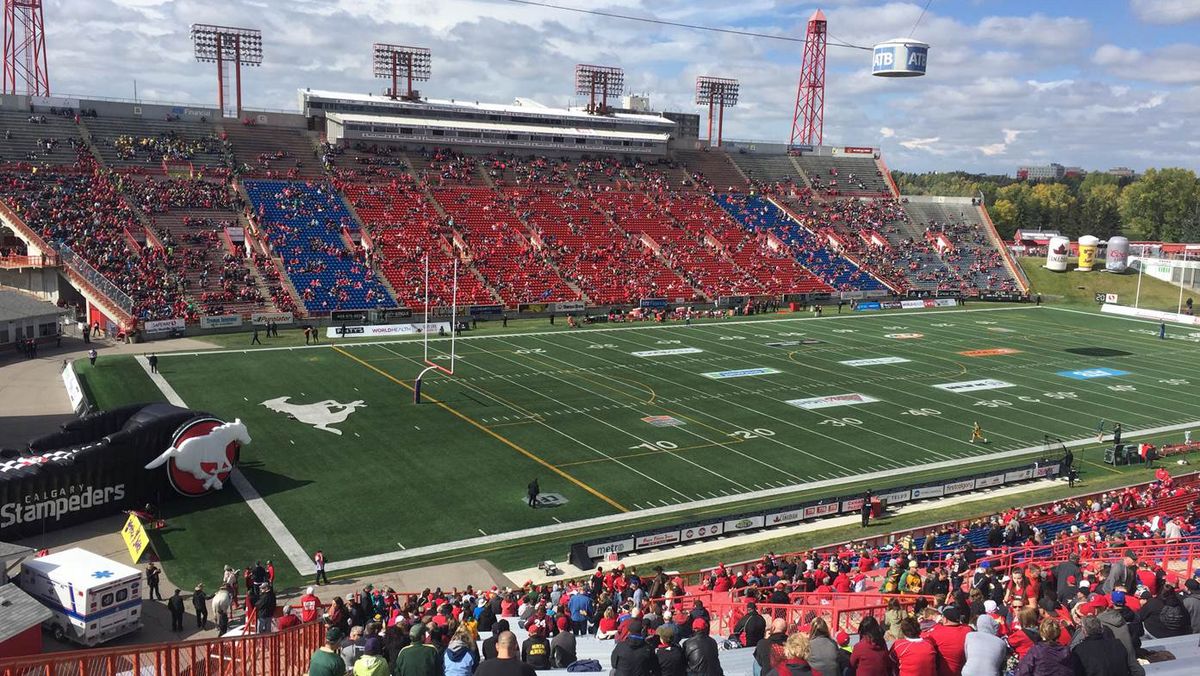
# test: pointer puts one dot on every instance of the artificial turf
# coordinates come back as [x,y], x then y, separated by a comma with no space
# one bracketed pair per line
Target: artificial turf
[584,414]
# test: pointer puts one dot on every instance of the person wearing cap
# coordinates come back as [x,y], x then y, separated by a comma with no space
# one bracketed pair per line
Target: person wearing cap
[1066,574]
[310,606]
[1121,573]
[562,646]
[669,654]
[372,662]
[200,605]
[700,651]
[352,649]
[824,655]
[326,661]
[1099,654]
[535,651]
[949,637]
[1191,602]
[264,608]
[634,656]
[984,652]
[418,658]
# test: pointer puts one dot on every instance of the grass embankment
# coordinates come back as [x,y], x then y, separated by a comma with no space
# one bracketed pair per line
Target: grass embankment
[1079,289]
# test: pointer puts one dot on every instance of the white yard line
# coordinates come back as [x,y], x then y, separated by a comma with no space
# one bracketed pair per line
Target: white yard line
[271,521]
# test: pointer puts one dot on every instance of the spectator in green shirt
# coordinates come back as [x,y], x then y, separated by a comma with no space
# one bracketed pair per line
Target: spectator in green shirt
[326,661]
[418,658]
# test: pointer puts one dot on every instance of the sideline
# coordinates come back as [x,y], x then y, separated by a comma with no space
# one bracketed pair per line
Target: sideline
[267,516]
[864,315]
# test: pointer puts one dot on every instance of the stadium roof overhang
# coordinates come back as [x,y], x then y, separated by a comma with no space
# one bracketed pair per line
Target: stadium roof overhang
[385,122]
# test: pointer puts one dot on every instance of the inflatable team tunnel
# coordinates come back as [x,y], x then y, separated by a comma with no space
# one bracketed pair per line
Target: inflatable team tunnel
[111,461]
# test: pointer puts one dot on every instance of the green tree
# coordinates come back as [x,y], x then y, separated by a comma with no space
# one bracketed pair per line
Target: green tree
[1004,214]
[1164,204]
[1053,202]
[1101,212]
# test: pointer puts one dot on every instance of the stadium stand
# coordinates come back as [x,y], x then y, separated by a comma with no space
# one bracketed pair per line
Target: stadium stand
[970,256]
[273,152]
[760,168]
[714,170]
[758,214]
[191,218]
[39,139]
[141,143]
[304,223]
[406,229]
[847,176]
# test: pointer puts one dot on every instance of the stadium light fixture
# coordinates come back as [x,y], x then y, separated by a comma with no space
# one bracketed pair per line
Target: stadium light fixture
[719,93]
[602,80]
[392,61]
[227,47]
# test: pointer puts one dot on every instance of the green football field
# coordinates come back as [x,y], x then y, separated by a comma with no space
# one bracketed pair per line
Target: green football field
[615,421]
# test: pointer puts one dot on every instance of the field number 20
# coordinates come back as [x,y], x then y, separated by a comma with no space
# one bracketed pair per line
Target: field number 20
[752,434]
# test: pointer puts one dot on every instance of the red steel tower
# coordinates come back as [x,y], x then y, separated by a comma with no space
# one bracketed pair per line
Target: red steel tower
[808,123]
[25,48]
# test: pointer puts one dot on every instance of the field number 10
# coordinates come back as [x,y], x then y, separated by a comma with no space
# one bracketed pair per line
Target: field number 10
[656,446]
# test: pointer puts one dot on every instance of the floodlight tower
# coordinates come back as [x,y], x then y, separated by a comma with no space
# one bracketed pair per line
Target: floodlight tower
[604,80]
[415,63]
[25,48]
[718,93]
[808,122]
[229,48]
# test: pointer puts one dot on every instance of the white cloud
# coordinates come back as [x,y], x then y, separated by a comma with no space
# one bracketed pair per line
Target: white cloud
[1038,30]
[1166,11]
[1172,64]
[887,132]
[920,143]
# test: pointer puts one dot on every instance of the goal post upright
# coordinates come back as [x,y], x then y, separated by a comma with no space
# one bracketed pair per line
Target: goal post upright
[430,364]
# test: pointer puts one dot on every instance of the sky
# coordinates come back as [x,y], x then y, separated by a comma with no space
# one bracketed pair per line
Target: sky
[1091,83]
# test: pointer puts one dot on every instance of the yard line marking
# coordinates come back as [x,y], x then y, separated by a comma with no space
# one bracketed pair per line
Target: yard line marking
[492,433]
[481,531]
[417,342]
[282,536]
[400,545]
[558,520]
[664,502]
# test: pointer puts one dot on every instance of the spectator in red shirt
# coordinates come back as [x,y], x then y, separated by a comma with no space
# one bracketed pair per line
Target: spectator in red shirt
[310,606]
[870,654]
[288,619]
[949,637]
[912,655]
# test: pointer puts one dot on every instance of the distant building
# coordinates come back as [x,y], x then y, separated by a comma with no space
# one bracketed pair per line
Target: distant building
[1048,172]
[1121,172]
[687,125]
[1074,172]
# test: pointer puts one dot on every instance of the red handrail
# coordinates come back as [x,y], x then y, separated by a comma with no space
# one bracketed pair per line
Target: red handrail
[284,652]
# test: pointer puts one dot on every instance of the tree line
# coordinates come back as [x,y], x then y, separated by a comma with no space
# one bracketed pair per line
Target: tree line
[1159,205]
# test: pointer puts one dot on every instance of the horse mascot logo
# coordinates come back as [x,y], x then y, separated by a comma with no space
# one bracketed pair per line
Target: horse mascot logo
[202,455]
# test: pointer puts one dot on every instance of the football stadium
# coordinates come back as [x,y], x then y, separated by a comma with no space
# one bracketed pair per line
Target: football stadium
[391,383]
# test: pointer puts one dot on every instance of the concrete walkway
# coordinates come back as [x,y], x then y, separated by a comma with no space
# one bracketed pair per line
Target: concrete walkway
[33,400]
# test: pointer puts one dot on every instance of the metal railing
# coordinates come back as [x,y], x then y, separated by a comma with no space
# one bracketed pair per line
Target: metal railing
[13,261]
[285,652]
[98,281]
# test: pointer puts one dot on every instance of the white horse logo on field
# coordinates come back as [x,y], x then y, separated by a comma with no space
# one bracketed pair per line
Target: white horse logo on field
[193,453]
[320,415]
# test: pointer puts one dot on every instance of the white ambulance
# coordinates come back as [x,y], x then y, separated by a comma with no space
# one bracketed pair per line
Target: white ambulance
[93,599]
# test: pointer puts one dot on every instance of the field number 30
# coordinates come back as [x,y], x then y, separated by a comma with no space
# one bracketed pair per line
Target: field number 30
[840,422]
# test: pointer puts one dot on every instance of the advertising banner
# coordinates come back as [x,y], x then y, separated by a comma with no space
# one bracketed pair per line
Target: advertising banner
[1018,475]
[357,316]
[858,150]
[74,390]
[924,492]
[534,308]
[744,523]
[959,486]
[785,516]
[654,303]
[569,306]
[385,330]
[896,497]
[261,318]
[851,505]
[700,532]
[486,310]
[162,325]
[989,481]
[656,540]
[867,305]
[133,534]
[397,313]
[220,321]
[814,403]
[621,546]
[815,511]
